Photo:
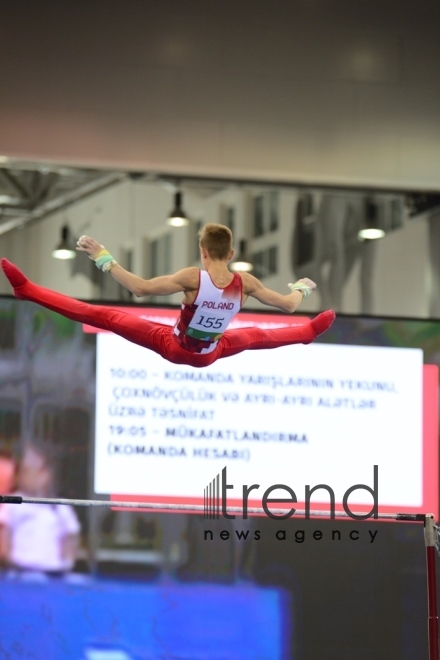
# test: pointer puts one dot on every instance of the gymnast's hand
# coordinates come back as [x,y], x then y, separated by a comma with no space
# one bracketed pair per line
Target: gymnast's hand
[304,285]
[88,245]
[310,284]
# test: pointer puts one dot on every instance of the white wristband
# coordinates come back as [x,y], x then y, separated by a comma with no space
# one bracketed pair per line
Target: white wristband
[300,286]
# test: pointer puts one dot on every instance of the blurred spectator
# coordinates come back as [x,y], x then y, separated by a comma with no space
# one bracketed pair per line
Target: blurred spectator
[7,478]
[38,537]
[7,473]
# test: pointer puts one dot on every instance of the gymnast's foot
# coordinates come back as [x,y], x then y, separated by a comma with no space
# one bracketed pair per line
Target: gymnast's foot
[14,275]
[322,322]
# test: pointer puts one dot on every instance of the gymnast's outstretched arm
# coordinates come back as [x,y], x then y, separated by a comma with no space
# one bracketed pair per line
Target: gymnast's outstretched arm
[287,303]
[185,280]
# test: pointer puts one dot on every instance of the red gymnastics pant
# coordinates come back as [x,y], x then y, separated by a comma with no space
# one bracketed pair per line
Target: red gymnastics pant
[157,337]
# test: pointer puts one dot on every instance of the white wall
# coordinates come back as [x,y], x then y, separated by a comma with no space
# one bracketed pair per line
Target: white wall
[309,90]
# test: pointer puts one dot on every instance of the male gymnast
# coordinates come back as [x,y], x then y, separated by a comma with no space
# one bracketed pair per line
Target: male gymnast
[212,296]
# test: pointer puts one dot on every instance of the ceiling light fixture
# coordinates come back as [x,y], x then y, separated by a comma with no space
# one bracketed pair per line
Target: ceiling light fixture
[372,229]
[178,217]
[64,249]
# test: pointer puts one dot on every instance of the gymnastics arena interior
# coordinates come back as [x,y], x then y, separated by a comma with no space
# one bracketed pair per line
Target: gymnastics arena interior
[278,504]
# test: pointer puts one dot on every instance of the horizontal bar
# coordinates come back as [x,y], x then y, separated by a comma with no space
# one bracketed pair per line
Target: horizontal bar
[196,508]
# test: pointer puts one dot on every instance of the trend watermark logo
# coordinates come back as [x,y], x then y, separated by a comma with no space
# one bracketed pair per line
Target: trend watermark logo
[216,504]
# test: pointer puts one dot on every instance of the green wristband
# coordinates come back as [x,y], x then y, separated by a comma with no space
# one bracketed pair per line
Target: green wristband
[104,261]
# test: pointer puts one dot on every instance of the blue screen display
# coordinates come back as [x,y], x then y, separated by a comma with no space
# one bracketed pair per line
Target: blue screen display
[113,620]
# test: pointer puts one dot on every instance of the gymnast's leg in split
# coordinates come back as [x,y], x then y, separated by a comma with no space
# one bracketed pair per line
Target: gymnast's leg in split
[128,326]
[251,339]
